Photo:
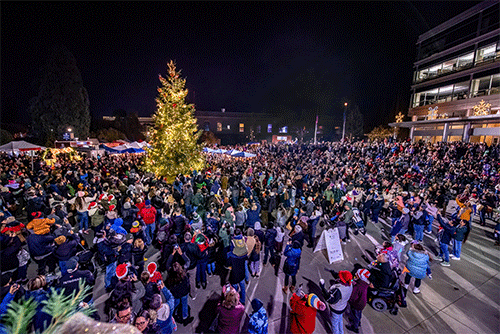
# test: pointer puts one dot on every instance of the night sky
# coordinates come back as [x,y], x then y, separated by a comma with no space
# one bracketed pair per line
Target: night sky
[231,53]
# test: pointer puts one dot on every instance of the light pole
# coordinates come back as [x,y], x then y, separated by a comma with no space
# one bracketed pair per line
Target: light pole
[343,128]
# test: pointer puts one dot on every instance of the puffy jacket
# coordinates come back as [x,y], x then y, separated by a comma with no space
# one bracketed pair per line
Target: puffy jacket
[417,263]
[179,224]
[9,247]
[148,214]
[106,252]
[292,261]
[40,244]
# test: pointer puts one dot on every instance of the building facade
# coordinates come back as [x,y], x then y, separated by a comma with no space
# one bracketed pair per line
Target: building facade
[456,82]
[234,127]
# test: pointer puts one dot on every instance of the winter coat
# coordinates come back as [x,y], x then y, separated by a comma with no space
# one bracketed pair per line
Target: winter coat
[9,248]
[269,237]
[66,250]
[40,225]
[179,224]
[359,295]
[40,244]
[460,232]
[253,216]
[258,323]
[303,317]
[229,319]
[106,252]
[417,263]
[292,261]
[449,231]
[164,320]
[148,214]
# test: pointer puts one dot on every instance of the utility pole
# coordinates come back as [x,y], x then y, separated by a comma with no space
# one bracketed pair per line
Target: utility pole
[343,128]
[315,129]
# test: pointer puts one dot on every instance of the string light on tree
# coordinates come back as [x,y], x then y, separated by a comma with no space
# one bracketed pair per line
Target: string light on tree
[173,138]
[482,109]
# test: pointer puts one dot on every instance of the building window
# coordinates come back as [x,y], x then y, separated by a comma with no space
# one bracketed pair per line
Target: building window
[486,53]
[219,126]
[242,127]
[259,128]
[269,128]
[284,129]
[206,126]
[229,127]
[486,85]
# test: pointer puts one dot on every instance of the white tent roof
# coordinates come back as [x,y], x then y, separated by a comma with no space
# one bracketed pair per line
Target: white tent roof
[20,146]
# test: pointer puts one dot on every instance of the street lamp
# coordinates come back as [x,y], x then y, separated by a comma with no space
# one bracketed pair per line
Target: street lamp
[343,128]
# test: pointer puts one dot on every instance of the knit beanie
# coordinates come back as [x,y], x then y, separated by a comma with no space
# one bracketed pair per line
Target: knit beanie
[314,301]
[59,240]
[298,229]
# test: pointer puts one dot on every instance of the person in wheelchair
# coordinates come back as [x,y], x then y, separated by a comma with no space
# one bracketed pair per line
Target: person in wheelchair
[381,273]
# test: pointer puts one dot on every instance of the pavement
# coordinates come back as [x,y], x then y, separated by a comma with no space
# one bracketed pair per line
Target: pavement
[462,298]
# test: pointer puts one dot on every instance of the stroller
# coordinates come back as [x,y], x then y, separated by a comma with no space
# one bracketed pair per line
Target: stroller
[382,299]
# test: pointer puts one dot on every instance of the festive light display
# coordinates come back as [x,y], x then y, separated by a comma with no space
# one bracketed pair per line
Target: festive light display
[399,117]
[482,109]
[173,138]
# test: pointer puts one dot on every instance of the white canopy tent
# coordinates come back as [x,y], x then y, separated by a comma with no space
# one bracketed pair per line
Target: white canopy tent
[16,147]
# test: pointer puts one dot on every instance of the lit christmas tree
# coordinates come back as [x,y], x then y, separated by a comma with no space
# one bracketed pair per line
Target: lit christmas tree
[174,149]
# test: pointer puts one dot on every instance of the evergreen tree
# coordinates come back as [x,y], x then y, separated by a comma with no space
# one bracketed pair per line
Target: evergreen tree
[62,101]
[354,123]
[173,138]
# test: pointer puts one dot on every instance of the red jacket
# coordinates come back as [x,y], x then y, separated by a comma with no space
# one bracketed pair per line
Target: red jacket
[303,317]
[148,214]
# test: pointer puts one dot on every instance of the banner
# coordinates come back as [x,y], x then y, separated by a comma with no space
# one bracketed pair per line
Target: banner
[330,241]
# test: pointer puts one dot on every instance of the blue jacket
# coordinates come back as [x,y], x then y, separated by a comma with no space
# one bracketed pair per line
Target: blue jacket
[40,244]
[449,231]
[417,263]
[292,261]
[166,325]
[258,323]
[253,216]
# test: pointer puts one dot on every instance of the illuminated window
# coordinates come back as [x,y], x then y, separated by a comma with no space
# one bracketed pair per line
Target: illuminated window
[229,127]
[269,128]
[284,129]
[219,126]
[242,127]
[259,128]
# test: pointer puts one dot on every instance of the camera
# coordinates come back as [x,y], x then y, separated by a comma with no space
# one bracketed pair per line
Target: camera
[176,246]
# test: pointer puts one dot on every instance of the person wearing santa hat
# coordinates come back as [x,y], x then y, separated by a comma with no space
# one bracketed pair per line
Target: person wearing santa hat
[303,311]
[337,297]
[358,299]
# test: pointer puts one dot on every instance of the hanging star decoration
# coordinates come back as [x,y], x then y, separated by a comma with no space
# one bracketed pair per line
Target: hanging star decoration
[482,109]
[399,117]
[432,114]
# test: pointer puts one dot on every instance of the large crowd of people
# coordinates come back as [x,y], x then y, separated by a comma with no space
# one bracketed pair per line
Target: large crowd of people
[75,220]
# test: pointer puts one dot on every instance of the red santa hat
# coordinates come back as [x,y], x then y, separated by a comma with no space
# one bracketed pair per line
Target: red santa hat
[111,197]
[92,206]
[101,197]
[152,269]
[121,270]
[112,207]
